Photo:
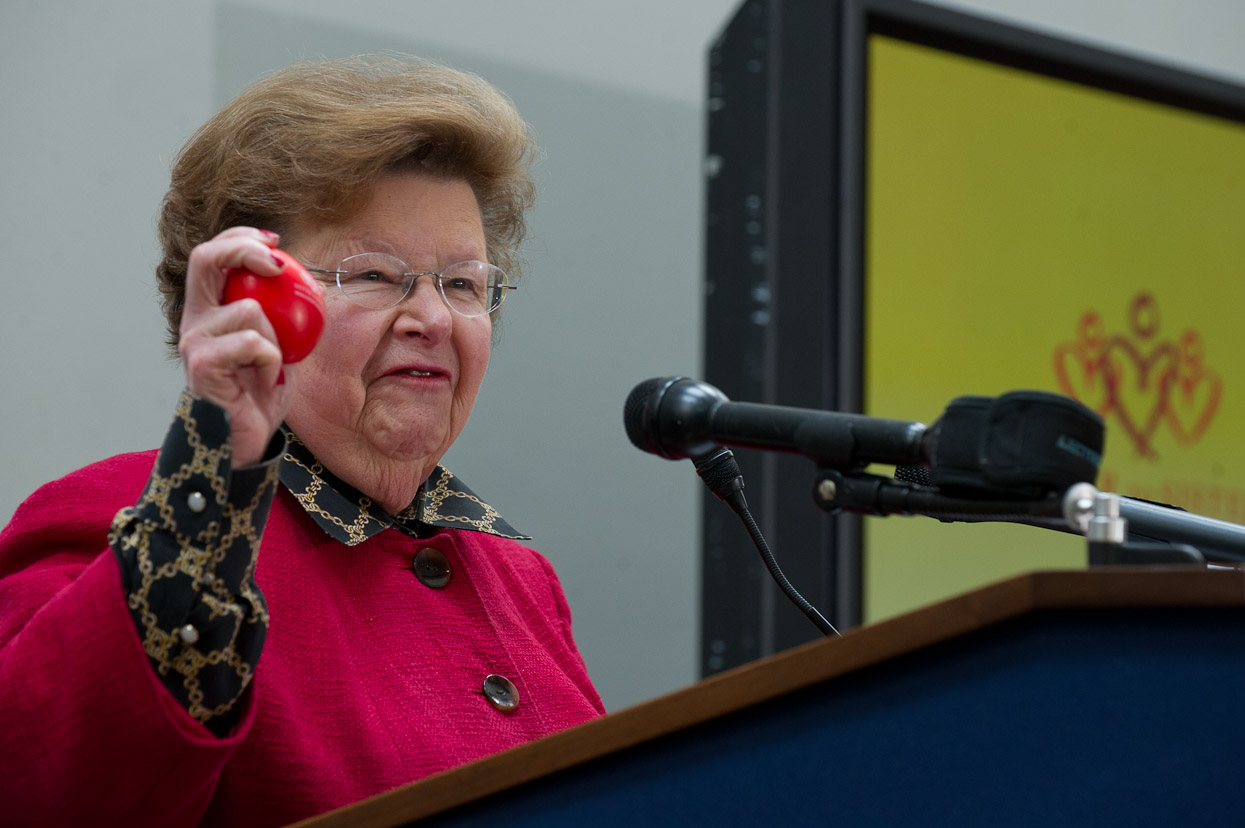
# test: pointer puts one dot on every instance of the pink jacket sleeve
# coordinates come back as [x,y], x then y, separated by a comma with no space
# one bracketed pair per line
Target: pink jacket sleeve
[88,733]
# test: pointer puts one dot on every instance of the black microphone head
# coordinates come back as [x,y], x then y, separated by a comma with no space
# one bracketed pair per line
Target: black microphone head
[640,413]
[669,416]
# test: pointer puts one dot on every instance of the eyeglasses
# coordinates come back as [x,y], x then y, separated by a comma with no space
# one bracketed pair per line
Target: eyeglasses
[378,280]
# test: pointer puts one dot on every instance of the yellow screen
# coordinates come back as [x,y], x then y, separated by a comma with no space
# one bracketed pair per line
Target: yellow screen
[1029,232]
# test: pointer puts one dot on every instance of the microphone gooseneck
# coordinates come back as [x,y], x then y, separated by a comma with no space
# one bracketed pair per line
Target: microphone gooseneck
[720,471]
[668,417]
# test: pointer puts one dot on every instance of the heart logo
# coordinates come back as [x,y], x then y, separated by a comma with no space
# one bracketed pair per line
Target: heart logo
[1138,389]
[1138,381]
[1194,399]
[1081,366]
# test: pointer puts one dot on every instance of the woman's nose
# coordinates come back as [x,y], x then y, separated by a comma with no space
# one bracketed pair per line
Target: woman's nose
[423,310]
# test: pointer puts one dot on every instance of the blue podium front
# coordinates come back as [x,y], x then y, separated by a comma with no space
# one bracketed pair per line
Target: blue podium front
[1056,699]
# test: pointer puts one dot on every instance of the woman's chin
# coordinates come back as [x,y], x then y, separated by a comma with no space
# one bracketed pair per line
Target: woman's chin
[410,439]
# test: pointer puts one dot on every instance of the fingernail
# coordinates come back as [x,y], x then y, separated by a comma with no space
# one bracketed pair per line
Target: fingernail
[269,234]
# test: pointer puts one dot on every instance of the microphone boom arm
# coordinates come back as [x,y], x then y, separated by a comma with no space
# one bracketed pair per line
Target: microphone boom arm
[1152,532]
[871,494]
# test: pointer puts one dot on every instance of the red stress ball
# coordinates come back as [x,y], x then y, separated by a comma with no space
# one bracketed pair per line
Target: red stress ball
[292,301]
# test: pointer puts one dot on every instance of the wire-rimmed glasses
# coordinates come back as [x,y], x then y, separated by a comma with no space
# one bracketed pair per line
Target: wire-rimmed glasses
[378,280]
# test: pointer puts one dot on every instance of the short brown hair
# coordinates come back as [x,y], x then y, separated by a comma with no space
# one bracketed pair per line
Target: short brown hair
[308,143]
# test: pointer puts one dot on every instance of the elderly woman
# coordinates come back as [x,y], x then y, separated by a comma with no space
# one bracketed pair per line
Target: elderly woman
[159,663]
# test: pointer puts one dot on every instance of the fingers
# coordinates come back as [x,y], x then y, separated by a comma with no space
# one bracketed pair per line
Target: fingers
[227,349]
[203,314]
[223,342]
[245,247]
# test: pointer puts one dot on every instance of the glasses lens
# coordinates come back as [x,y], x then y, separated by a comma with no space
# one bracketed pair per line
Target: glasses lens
[374,280]
[473,288]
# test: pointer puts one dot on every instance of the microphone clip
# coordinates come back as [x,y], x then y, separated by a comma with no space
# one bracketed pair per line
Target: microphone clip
[720,472]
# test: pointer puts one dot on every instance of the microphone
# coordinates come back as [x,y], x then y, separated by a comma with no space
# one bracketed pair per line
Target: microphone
[715,464]
[677,418]
[1021,443]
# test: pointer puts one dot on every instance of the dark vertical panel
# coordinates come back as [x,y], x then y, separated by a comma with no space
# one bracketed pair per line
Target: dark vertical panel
[804,246]
[737,312]
[771,240]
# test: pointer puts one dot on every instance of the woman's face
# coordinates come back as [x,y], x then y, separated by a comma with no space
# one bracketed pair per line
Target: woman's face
[387,391]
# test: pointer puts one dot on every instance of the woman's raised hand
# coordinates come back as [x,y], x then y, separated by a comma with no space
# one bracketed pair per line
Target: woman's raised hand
[230,351]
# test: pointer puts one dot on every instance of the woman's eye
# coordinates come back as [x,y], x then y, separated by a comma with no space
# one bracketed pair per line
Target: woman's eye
[374,277]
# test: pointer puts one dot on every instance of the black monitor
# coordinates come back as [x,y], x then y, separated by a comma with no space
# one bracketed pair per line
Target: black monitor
[907,204]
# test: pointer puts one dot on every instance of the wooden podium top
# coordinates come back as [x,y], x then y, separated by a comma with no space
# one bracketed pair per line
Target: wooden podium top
[1114,588]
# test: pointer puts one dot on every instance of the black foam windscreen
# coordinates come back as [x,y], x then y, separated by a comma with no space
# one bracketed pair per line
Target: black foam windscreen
[1019,443]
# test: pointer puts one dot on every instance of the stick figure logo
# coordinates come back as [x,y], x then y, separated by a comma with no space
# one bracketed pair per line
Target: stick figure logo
[1139,381]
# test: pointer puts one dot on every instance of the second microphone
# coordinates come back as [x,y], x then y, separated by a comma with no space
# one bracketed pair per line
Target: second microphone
[677,418]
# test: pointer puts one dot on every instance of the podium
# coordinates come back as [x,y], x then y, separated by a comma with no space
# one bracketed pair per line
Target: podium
[1099,697]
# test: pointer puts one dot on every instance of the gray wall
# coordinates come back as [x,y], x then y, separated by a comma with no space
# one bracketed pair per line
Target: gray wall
[97,97]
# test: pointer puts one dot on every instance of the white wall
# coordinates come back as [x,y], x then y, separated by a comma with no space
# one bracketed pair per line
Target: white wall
[96,98]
